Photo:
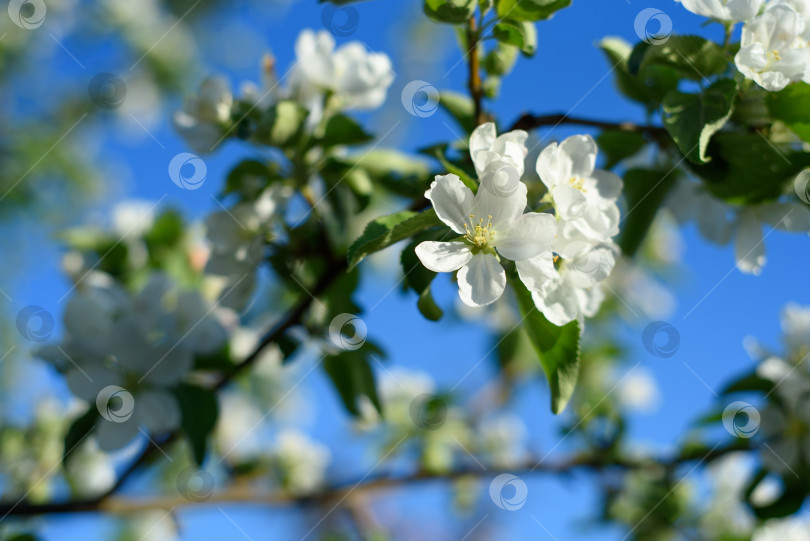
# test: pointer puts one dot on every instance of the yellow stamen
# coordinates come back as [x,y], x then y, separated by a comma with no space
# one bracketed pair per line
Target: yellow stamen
[481,234]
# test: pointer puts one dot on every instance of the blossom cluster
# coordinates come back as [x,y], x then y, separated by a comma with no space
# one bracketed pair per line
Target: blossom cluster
[775,44]
[561,253]
[323,79]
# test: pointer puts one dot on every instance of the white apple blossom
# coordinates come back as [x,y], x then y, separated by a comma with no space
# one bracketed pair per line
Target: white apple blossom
[724,10]
[718,222]
[772,52]
[486,147]
[356,78]
[569,289]
[583,196]
[301,461]
[204,118]
[488,222]
[785,529]
[237,237]
[144,343]
[503,440]
[795,322]
[90,471]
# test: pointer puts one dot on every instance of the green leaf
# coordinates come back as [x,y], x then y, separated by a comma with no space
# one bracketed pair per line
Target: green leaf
[520,34]
[428,307]
[401,173]
[692,119]
[787,503]
[387,230]
[647,86]
[282,124]
[450,11]
[438,152]
[692,56]
[199,411]
[351,373]
[747,383]
[500,59]
[644,191]
[748,168]
[460,107]
[619,144]
[529,10]
[342,130]
[556,347]
[78,430]
[792,106]
[249,178]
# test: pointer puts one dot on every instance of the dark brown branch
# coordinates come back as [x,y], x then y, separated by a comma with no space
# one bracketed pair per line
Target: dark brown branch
[529,121]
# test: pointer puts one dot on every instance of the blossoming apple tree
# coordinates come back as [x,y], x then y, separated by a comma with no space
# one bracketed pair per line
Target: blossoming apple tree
[181,340]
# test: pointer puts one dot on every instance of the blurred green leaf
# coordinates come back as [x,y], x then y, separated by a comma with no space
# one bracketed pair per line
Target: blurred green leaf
[351,373]
[78,431]
[617,145]
[529,10]
[692,119]
[692,56]
[557,348]
[648,86]
[520,34]
[343,130]
[450,11]
[199,412]
[792,106]
[644,191]
[460,107]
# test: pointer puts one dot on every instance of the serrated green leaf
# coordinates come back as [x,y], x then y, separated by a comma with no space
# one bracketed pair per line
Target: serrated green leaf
[387,230]
[79,429]
[199,411]
[529,10]
[692,119]
[692,56]
[557,348]
[521,34]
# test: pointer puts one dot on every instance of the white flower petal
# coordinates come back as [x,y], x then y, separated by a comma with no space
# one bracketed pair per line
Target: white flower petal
[749,249]
[554,166]
[528,236]
[112,436]
[582,150]
[481,281]
[452,200]
[443,256]
[569,202]
[558,302]
[537,272]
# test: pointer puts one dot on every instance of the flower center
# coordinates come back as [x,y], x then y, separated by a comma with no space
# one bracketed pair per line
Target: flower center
[479,234]
[774,55]
[578,183]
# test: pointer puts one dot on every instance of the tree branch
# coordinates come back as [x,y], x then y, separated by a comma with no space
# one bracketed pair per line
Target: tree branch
[474,80]
[529,121]
[241,493]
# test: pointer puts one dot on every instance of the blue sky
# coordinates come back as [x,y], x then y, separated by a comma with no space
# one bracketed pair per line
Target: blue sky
[568,74]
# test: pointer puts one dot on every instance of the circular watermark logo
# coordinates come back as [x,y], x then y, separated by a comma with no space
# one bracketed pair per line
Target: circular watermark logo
[187,171]
[195,485]
[802,186]
[35,323]
[107,90]
[420,98]
[341,339]
[661,339]
[741,419]
[653,26]
[28,14]
[428,412]
[115,404]
[342,21]
[502,181]
[508,492]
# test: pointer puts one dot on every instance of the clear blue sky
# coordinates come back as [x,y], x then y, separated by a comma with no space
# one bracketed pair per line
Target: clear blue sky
[568,72]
